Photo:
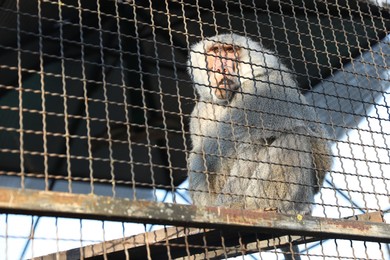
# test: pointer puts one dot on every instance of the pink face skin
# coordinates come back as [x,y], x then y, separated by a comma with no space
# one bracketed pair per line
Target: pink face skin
[222,64]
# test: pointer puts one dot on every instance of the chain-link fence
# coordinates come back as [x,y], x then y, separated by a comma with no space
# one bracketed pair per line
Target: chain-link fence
[102,156]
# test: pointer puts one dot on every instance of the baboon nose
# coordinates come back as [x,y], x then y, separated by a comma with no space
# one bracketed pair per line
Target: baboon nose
[221,70]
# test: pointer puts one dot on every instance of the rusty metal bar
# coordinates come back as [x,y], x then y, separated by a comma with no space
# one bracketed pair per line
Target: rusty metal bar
[189,243]
[101,207]
[181,242]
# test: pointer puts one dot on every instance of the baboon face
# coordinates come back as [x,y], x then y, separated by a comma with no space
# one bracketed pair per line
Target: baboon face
[222,67]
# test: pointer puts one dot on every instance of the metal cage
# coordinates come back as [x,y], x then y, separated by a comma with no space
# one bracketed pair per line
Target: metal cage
[95,102]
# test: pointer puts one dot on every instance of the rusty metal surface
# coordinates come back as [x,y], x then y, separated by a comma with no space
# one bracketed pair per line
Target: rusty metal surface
[190,243]
[376,216]
[183,242]
[99,207]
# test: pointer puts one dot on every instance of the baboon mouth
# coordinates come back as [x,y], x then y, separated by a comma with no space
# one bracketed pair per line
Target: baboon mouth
[227,82]
[226,89]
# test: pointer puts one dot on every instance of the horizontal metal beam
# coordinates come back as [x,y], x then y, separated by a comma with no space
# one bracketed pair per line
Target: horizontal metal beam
[181,242]
[101,207]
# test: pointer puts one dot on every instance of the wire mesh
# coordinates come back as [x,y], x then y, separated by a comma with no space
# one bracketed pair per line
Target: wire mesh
[95,142]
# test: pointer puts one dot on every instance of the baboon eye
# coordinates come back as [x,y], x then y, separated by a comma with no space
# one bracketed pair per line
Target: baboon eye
[229,49]
[215,49]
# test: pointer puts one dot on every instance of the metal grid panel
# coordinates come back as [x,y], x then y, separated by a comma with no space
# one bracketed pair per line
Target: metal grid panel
[95,99]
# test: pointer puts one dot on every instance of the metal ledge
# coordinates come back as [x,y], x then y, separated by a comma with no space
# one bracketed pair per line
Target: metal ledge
[369,228]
